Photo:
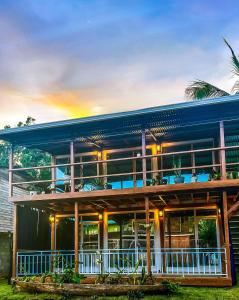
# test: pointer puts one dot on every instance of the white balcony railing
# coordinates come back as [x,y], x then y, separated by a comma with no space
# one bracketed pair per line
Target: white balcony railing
[174,262]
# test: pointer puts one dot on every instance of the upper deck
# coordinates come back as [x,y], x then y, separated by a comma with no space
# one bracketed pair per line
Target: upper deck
[188,148]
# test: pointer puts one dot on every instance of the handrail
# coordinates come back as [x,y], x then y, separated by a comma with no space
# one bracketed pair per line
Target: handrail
[125,158]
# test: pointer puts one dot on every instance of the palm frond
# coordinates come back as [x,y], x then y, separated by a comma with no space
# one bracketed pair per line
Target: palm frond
[235,88]
[235,61]
[200,89]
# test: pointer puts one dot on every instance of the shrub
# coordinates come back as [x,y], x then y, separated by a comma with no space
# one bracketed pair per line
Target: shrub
[171,287]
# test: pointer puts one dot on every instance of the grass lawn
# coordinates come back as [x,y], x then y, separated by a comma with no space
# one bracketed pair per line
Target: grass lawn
[184,293]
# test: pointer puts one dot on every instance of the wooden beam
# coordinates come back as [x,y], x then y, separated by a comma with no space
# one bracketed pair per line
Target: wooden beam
[72,160]
[144,167]
[148,247]
[226,233]
[14,244]
[232,209]
[76,241]
[128,192]
[222,151]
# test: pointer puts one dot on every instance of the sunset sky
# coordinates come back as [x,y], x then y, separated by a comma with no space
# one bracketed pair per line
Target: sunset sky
[63,59]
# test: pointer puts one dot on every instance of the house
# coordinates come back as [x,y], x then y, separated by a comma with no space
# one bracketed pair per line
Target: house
[153,187]
[6,221]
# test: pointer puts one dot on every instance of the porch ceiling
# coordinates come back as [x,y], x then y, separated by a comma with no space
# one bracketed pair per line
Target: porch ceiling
[157,201]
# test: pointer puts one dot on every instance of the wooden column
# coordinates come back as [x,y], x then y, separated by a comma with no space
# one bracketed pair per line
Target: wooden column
[53,174]
[222,152]
[105,243]
[14,243]
[72,160]
[157,244]
[226,232]
[10,175]
[53,234]
[162,234]
[76,242]
[154,161]
[144,166]
[147,217]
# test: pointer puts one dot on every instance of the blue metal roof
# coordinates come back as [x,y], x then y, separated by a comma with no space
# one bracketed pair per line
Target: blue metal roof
[160,119]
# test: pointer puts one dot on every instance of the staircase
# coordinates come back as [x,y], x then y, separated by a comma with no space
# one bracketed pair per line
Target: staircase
[234,229]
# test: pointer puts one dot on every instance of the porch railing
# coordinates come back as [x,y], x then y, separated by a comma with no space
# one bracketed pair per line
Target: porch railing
[56,184]
[169,262]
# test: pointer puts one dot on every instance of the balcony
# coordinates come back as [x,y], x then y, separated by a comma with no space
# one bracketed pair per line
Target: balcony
[111,171]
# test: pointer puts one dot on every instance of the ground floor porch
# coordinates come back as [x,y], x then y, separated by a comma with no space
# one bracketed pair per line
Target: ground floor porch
[186,240]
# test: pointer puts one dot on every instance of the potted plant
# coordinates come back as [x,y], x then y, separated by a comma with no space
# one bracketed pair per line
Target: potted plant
[178,172]
[215,175]
[161,180]
[194,178]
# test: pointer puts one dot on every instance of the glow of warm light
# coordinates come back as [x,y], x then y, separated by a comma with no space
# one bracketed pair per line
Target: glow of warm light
[51,219]
[160,213]
[158,148]
[100,217]
[99,154]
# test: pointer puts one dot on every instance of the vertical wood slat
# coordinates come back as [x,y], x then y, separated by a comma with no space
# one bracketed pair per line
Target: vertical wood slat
[147,217]
[222,152]
[76,240]
[226,232]
[10,174]
[53,174]
[14,244]
[72,161]
[144,166]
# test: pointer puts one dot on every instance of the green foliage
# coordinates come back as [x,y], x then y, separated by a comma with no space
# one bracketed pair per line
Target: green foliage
[24,157]
[134,295]
[200,89]
[171,287]
[102,278]
[207,236]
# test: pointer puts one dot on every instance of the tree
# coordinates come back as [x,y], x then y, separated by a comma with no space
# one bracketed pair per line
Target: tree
[25,157]
[200,89]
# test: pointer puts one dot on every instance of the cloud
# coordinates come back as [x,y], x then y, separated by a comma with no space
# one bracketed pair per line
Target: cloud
[70,59]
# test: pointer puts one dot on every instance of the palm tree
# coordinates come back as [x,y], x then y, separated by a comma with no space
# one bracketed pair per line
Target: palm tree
[200,89]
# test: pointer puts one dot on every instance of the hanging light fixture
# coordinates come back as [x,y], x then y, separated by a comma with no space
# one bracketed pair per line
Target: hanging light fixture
[51,219]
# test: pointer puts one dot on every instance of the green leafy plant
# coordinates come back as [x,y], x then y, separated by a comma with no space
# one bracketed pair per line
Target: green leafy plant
[102,278]
[177,164]
[134,295]
[170,286]
[200,89]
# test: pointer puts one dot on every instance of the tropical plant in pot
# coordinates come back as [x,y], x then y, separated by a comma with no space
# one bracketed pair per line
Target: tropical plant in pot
[99,184]
[161,180]
[177,164]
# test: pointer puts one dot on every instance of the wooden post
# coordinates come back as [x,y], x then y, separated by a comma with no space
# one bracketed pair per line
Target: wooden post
[154,161]
[222,152]
[10,171]
[72,160]
[148,246]
[157,244]
[53,175]
[76,242]
[226,232]
[144,165]
[14,243]
[53,234]
[162,234]
[105,243]
[104,165]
